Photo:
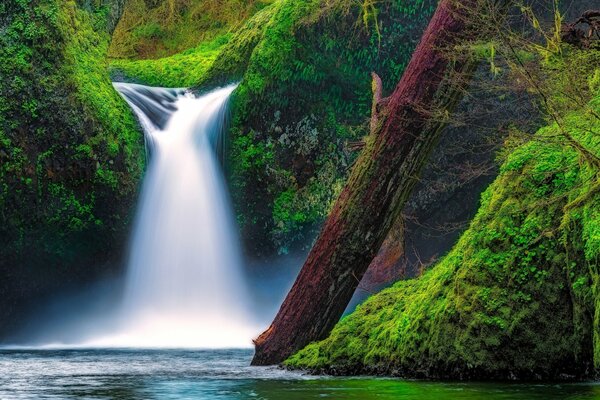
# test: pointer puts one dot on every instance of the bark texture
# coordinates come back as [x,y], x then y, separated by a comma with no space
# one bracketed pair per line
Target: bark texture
[405,130]
[387,266]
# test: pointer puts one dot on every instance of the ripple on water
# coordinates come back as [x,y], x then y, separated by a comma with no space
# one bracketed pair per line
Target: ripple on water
[224,374]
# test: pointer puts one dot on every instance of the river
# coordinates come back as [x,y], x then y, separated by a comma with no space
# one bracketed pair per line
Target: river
[226,374]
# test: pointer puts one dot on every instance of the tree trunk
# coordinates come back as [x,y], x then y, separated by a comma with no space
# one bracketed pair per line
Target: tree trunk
[390,262]
[404,129]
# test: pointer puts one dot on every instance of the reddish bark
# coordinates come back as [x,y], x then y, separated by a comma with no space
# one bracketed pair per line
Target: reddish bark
[583,32]
[403,133]
[389,263]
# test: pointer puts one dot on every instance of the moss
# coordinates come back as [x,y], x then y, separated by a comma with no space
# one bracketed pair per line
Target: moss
[71,154]
[516,297]
[160,28]
[181,70]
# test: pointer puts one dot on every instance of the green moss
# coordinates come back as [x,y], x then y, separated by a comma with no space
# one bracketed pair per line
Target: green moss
[181,70]
[85,65]
[71,154]
[161,28]
[517,297]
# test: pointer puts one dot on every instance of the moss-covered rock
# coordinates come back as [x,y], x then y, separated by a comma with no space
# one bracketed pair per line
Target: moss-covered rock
[71,154]
[180,70]
[517,297]
[151,29]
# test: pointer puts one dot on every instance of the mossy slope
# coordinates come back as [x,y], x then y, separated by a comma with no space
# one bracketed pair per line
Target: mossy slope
[517,297]
[151,29]
[222,57]
[180,70]
[71,154]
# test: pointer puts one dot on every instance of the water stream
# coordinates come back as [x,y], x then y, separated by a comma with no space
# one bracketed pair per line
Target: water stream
[185,285]
[226,374]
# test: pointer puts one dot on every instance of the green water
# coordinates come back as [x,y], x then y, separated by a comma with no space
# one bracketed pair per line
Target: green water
[224,374]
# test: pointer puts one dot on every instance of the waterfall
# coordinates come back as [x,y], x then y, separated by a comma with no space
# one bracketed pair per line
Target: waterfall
[184,285]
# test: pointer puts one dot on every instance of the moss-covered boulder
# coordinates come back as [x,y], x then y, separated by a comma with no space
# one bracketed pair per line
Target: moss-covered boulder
[71,154]
[518,295]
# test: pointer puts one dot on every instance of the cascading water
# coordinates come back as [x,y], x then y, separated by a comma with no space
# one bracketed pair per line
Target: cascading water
[184,284]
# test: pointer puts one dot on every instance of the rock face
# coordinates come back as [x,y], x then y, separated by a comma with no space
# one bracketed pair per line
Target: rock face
[112,10]
[71,154]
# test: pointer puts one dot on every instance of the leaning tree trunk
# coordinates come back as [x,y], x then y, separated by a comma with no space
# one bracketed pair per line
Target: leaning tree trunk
[404,129]
[390,262]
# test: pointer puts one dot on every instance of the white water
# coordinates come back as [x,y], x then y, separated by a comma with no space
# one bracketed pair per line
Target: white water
[185,286]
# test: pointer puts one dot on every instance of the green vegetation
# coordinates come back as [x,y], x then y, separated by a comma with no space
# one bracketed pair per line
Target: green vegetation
[151,29]
[71,154]
[517,297]
[180,70]
[304,94]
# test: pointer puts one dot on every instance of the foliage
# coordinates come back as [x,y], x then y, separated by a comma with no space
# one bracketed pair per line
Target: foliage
[517,297]
[180,70]
[151,29]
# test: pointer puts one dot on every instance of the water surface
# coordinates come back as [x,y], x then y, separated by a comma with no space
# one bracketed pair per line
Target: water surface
[225,374]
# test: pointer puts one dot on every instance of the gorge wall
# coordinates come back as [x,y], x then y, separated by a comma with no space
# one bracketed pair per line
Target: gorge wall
[71,153]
